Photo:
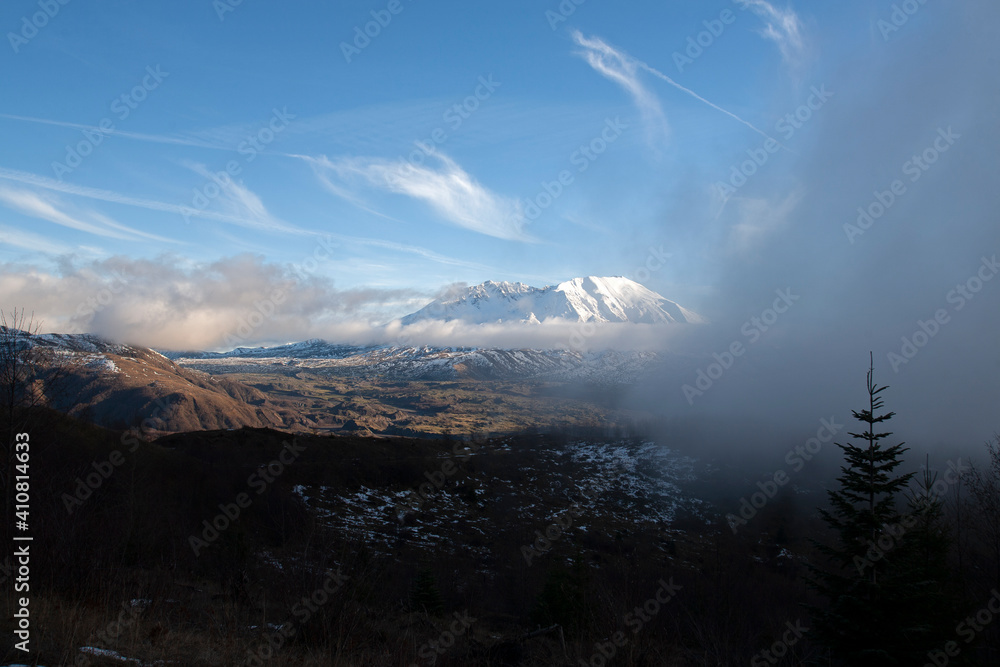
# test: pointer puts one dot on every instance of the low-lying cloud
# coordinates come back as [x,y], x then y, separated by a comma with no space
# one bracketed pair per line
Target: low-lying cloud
[171,303]
[244,301]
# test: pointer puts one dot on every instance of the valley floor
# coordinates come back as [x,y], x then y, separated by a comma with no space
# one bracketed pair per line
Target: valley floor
[255,546]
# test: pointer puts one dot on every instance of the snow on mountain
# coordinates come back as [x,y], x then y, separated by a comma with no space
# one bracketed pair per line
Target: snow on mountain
[115,384]
[435,363]
[590,299]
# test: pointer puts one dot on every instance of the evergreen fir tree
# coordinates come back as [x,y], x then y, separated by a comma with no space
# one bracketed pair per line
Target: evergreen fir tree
[425,595]
[929,602]
[563,597]
[864,585]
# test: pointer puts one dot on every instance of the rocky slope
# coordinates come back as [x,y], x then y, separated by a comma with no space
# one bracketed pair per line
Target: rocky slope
[126,386]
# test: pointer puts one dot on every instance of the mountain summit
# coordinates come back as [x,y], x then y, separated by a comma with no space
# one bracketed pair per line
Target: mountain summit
[590,299]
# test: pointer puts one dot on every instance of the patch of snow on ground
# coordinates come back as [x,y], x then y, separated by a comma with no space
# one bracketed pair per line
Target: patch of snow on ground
[606,482]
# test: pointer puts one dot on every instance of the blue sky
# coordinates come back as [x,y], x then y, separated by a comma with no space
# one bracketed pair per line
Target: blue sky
[184,90]
[718,152]
[222,74]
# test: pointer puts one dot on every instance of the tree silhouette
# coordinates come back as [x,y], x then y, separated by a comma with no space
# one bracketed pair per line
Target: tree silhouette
[17,394]
[862,625]
[425,595]
[18,370]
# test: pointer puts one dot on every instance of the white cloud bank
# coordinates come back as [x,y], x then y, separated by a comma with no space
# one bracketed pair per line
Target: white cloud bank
[169,303]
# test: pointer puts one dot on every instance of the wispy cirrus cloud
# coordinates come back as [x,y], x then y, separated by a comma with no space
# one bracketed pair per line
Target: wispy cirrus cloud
[451,191]
[50,209]
[19,238]
[423,253]
[235,201]
[139,136]
[783,27]
[43,182]
[624,70]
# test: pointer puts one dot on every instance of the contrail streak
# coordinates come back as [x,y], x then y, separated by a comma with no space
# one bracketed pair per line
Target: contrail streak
[625,75]
[116,132]
[657,73]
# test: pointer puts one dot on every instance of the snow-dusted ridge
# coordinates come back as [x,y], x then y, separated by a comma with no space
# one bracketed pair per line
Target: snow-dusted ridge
[590,299]
[433,363]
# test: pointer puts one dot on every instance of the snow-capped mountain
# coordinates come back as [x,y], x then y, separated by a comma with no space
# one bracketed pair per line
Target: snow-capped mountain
[590,299]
